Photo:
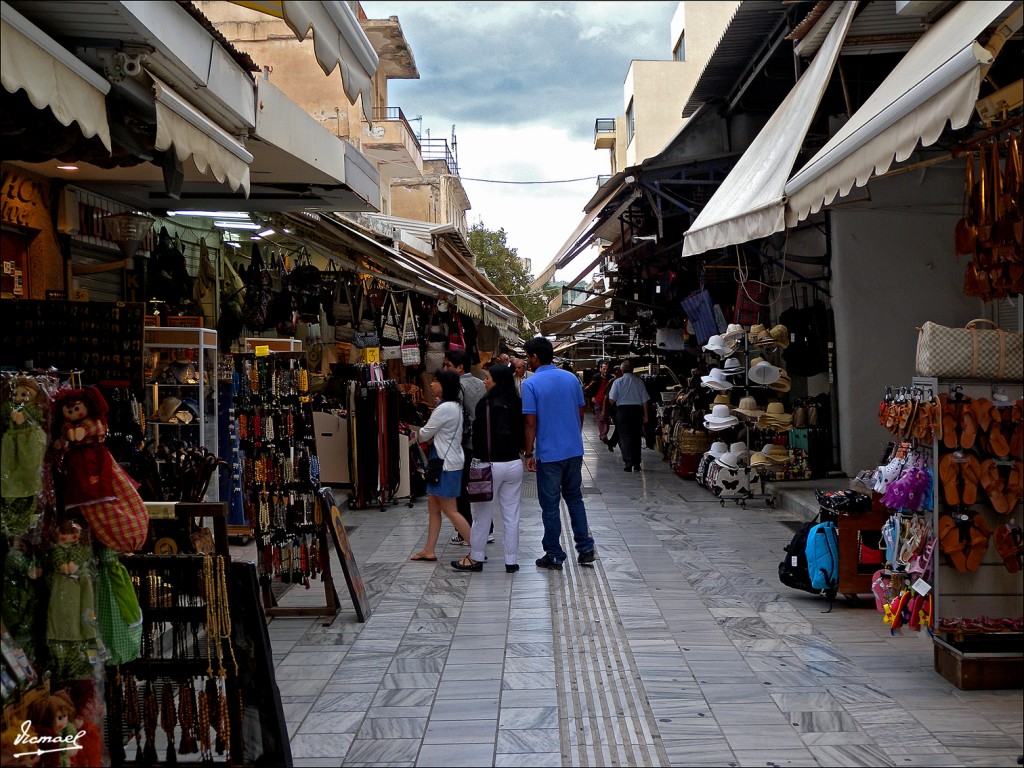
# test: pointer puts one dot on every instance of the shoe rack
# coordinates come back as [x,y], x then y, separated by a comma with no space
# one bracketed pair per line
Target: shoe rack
[974,591]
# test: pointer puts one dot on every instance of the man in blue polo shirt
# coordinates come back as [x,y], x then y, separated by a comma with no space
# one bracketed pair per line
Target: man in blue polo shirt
[553,408]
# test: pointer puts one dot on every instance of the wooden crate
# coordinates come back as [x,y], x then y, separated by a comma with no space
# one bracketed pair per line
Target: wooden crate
[983,663]
[852,529]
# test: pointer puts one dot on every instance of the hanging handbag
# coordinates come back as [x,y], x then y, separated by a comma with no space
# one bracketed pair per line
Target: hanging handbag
[341,310]
[390,332]
[970,352]
[480,486]
[433,359]
[410,344]
[366,331]
[750,299]
[456,339]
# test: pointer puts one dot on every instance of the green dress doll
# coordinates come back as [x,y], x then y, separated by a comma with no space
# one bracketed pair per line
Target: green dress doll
[23,451]
[71,633]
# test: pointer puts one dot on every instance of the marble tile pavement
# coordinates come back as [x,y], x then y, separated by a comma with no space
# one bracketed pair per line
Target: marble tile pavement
[678,647]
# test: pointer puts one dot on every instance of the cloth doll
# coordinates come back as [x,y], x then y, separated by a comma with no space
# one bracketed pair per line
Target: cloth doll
[23,451]
[21,588]
[87,464]
[52,716]
[71,614]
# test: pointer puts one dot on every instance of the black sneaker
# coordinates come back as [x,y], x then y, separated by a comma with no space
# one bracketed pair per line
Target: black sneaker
[511,568]
[547,562]
[456,539]
[587,558]
[627,469]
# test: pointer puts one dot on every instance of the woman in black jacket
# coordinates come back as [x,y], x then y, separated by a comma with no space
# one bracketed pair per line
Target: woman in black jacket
[498,439]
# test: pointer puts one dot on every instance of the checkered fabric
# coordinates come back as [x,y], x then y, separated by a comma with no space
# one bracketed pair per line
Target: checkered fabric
[749,298]
[117,610]
[122,524]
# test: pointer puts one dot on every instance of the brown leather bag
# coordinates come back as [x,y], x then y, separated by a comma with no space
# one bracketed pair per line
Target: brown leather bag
[965,234]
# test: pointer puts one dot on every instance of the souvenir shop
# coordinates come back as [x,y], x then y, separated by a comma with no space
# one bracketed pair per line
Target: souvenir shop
[165,388]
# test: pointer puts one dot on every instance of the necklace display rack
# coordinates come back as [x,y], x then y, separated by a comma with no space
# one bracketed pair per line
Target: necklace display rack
[187,637]
[742,498]
[281,478]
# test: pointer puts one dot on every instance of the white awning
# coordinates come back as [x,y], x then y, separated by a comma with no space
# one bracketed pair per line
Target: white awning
[559,323]
[749,203]
[52,76]
[194,135]
[937,81]
[338,41]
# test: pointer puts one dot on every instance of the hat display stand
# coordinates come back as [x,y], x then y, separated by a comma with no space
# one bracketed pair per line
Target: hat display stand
[748,469]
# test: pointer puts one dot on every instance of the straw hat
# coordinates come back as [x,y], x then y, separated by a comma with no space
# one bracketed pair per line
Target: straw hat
[758,459]
[748,407]
[720,346]
[733,367]
[784,383]
[759,335]
[775,417]
[780,334]
[722,399]
[776,453]
[718,448]
[733,333]
[716,380]
[762,372]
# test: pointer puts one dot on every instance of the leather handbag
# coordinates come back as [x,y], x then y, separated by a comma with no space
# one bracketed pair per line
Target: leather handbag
[410,344]
[969,353]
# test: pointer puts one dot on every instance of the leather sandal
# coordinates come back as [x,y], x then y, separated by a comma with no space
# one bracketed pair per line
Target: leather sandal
[994,486]
[971,473]
[980,534]
[982,410]
[949,420]
[949,541]
[1014,488]
[998,443]
[1017,432]
[1010,546]
[949,471]
[969,427]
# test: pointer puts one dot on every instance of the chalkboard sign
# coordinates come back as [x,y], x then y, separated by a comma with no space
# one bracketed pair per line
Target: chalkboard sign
[102,339]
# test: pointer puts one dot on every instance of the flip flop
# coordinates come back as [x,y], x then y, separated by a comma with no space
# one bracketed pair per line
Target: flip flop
[982,409]
[980,534]
[994,486]
[972,474]
[997,440]
[948,473]
[420,558]
[949,438]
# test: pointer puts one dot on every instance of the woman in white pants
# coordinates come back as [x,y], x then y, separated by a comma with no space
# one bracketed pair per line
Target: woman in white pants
[498,439]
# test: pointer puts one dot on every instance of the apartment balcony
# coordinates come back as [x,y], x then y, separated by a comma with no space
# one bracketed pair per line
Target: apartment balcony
[604,133]
[440,149]
[391,143]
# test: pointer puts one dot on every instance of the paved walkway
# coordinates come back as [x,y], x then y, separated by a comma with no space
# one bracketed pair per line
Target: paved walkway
[679,647]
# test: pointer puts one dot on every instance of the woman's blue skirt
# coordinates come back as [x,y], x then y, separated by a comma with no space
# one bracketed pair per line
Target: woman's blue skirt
[448,487]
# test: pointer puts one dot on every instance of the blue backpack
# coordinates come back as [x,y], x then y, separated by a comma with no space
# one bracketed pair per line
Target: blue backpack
[823,557]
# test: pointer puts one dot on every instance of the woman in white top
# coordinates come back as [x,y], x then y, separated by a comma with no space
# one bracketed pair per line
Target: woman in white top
[444,431]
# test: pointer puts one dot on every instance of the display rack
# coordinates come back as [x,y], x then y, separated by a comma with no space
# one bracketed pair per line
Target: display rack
[982,657]
[742,498]
[181,366]
[281,477]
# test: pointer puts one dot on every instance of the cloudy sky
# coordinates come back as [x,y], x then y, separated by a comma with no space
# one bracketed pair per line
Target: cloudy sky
[522,83]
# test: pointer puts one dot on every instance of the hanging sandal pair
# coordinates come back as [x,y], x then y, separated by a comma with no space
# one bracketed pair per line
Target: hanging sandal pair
[1003,492]
[959,423]
[960,471]
[964,540]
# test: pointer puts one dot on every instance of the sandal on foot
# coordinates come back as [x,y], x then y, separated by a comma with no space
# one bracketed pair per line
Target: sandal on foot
[419,557]
[467,564]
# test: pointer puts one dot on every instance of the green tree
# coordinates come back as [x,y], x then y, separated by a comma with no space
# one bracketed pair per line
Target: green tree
[506,270]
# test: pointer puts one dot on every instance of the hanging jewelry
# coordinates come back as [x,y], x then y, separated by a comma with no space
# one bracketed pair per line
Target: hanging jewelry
[150,715]
[187,717]
[132,718]
[169,720]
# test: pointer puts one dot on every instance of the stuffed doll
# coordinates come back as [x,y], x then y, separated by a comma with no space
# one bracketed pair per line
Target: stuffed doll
[71,613]
[87,464]
[52,716]
[23,451]
[21,591]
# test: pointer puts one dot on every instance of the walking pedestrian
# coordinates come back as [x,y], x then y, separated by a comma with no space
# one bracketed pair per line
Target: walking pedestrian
[553,409]
[498,439]
[597,390]
[472,390]
[523,372]
[632,403]
[444,431]
[609,412]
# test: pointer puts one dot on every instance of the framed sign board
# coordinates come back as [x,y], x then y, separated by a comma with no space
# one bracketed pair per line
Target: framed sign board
[356,587]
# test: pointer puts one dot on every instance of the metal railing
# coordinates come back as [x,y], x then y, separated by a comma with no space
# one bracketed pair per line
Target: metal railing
[439,149]
[604,125]
[394,115]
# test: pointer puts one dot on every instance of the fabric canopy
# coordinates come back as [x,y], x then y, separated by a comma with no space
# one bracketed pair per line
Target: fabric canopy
[52,76]
[558,323]
[937,81]
[194,135]
[338,41]
[749,203]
